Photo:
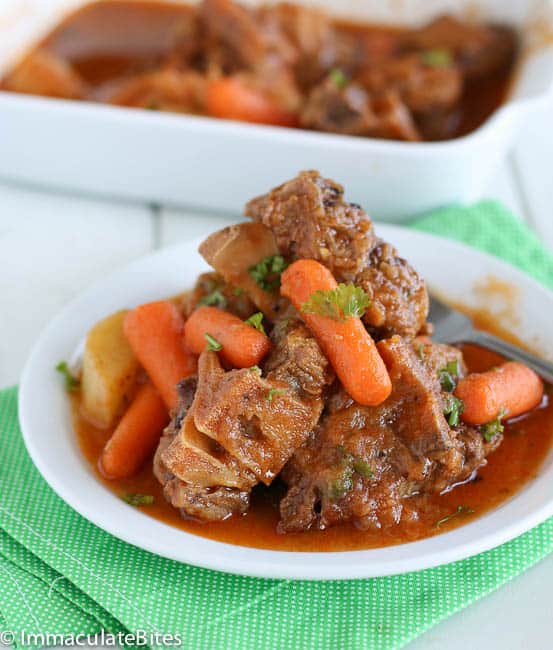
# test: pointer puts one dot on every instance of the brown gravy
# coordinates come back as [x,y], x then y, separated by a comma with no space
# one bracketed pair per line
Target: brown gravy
[516,461]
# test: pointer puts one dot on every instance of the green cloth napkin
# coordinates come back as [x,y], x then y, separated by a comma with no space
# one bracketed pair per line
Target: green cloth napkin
[59,574]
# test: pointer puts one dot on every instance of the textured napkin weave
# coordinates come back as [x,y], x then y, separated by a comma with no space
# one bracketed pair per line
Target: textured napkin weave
[60,574]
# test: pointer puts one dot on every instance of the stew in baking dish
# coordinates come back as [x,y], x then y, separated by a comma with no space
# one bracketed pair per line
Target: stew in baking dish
[282,64]
[294,398]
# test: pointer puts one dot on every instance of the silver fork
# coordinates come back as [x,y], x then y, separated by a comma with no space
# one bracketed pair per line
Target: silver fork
[451,326]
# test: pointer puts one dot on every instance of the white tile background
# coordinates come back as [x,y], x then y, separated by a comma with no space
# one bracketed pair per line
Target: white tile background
[53,246]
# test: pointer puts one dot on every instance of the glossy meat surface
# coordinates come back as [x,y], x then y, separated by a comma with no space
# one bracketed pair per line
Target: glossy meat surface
[363,462]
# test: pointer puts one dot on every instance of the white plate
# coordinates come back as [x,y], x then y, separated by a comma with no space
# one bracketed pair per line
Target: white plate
[450,268]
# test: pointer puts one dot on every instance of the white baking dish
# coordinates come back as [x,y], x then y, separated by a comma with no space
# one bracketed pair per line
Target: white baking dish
[160,157]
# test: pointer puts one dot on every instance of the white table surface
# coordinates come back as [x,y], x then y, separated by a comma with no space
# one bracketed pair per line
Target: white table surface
[53,246]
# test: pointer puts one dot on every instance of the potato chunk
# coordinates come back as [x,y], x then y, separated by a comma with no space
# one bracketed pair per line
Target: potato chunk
[108,372]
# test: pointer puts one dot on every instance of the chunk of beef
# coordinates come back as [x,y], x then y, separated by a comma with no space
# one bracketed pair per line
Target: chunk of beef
[350,110]
[436,356]
[362,463]
[422,87]
[283,36]
[197,476]
[241,428]
[231,31]
[199,460]
[211,504]
[399,299]
[208,503]
[338,110]
[238,38]
[186,389]
[393,118]
[481,50]
[297,360]
[311,34]
[356,49]
[310,219]
[386,99]
[262,421]
[186,41]
[416,406]
[428,95]
[344,473]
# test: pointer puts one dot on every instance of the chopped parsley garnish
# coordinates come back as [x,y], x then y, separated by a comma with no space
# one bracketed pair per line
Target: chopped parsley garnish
[72,384]
[256,321]
[363,468]
[214,298]
[342,485]
[461,510]
[453,407]
[256,369]
[338,77]
[447,382]
[339,304]
[274,391]
[138,499]
[493,428]
[212,343]
[420,351]
[238,291]
[355,463]
[266,273]
[448,376]
[453,367]
[437,58]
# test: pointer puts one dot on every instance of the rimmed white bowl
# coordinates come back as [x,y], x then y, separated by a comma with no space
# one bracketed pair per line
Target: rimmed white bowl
[452,269]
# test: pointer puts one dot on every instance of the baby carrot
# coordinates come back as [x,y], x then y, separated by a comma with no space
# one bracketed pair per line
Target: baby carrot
[511,388]
[136,436]
[240,344]
[346,343]
[154,331]
[232,99]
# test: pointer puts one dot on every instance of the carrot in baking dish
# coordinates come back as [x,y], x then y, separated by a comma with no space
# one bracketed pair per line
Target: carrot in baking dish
[232,99]
[240,344]
[510,389]
[136,436]
[346,343]
[154,331]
